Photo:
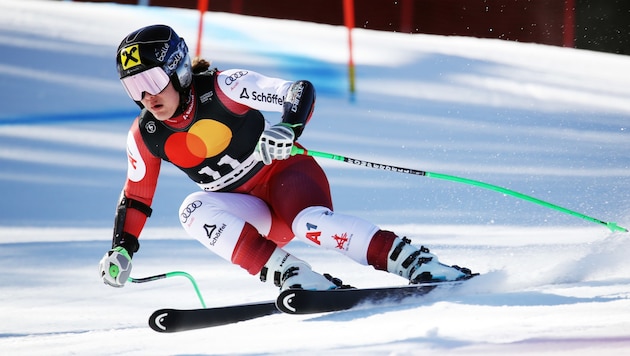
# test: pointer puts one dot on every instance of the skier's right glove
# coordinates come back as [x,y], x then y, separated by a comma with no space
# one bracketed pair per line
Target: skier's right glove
[275,143]
[115,267]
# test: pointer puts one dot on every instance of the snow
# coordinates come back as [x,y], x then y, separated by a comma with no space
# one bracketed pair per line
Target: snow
[544,121]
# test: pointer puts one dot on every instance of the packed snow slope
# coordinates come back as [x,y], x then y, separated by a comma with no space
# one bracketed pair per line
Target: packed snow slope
[548,122]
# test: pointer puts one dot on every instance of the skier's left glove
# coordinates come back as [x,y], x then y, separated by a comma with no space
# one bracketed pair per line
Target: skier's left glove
[115,267]
[275,143]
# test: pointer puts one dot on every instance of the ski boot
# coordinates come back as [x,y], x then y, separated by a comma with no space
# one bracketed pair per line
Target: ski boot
[418,265]
[288,271]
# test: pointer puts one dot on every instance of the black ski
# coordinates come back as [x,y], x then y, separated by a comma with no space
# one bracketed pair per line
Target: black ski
[174,320]
[299,301]
[291,301]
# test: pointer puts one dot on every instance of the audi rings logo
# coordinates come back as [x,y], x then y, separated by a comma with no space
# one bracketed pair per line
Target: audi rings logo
[188,210]
[234,76]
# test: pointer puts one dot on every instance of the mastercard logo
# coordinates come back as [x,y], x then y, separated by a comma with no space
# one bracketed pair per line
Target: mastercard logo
[205,139]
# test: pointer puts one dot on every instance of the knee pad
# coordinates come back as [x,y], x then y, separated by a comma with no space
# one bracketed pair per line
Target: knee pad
[319,226]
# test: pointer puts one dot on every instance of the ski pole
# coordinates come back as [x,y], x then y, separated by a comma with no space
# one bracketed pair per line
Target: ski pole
[168,275]
[301,151]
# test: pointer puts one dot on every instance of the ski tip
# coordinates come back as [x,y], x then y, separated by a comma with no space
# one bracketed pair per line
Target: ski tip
[158,320]
[284,302]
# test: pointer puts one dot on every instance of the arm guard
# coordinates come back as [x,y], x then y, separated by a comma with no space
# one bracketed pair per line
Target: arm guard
[122,238]
[298,106]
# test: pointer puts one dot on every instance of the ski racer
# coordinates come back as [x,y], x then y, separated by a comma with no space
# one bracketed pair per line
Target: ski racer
[255,197]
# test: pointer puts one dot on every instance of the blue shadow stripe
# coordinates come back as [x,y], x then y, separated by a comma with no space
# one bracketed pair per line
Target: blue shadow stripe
[69,117]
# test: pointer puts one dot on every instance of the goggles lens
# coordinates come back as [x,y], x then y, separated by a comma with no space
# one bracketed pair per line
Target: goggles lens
[152,81]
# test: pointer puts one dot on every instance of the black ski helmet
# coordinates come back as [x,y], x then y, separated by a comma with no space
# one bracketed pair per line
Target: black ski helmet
[155,46]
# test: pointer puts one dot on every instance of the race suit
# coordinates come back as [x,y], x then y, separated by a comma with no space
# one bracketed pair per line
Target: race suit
[245,208]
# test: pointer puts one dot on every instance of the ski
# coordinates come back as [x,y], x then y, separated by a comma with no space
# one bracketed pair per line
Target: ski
[290,301]
[299,301]
[175,320]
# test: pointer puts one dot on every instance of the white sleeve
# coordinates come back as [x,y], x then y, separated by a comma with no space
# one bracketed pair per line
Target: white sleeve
[253,89]
[136,168]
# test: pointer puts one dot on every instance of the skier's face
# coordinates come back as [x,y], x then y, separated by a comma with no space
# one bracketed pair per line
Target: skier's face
[162,105]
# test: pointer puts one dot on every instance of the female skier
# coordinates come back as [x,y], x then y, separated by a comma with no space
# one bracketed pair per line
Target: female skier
[255,196]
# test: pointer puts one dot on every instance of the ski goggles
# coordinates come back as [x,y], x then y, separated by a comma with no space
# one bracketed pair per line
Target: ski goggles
[152,81]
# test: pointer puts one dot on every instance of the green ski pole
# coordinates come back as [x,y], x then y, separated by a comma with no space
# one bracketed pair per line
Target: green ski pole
[300,151]
[169,275]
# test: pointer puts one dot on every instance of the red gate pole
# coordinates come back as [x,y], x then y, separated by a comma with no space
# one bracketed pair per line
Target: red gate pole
[406,16]
[348,15]
[202,6]
[568,36]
